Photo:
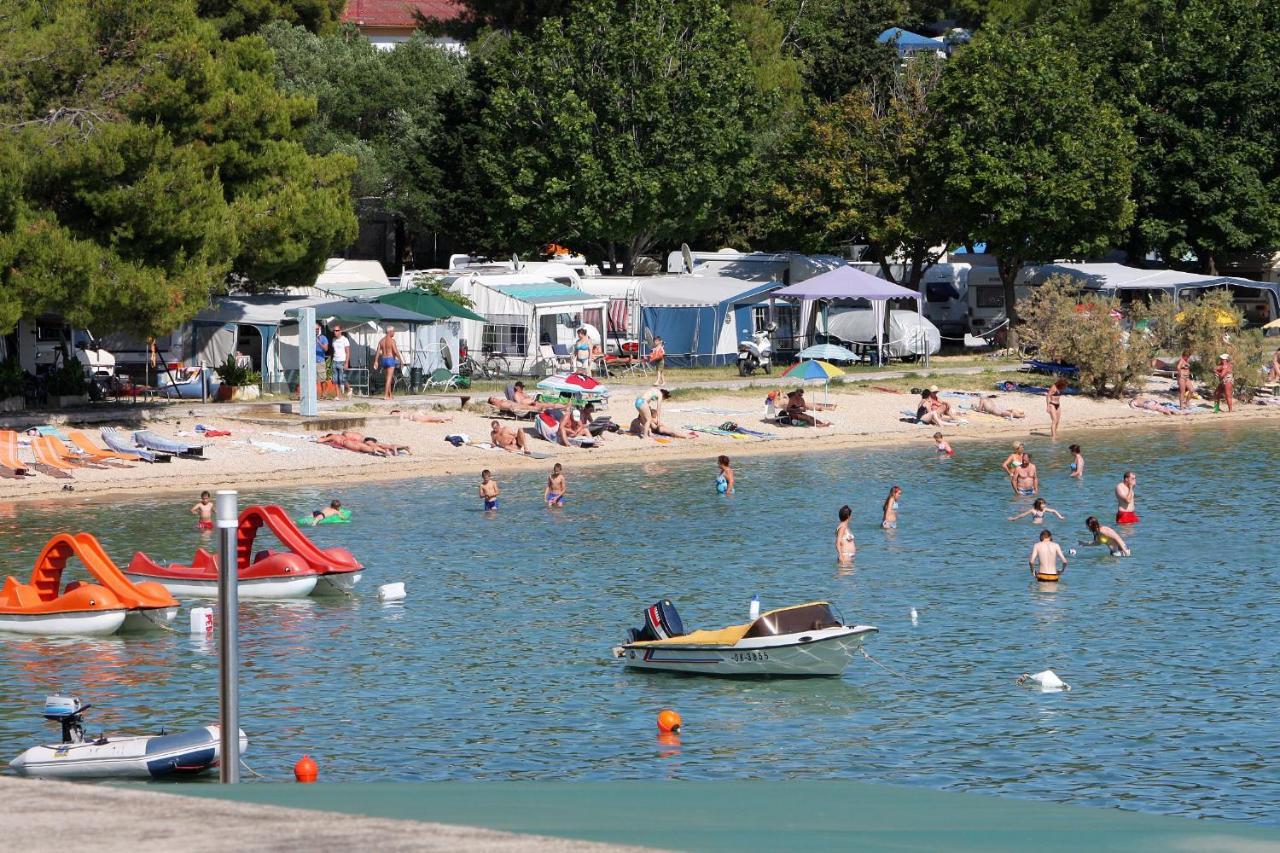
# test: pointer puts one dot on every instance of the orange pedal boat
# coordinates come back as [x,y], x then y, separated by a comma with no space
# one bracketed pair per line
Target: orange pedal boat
[82,609]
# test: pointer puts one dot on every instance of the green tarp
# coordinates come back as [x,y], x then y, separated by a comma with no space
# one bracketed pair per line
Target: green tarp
[421,302]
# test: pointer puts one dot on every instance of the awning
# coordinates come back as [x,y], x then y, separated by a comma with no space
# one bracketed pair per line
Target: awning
[846,283]
[429,304]
[367,311]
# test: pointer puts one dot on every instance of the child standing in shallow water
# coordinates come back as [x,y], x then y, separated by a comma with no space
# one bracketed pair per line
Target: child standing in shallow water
[845,547]
[890,519]
[1077,462]
[553,494]
[488,491]
[724,480]
[941,445]
[204,509]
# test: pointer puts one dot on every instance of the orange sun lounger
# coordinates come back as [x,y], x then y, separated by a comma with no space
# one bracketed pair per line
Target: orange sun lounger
[47,454]
[95,453]
[9,452]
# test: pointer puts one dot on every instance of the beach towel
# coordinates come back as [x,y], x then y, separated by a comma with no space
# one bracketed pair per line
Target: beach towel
[211,432]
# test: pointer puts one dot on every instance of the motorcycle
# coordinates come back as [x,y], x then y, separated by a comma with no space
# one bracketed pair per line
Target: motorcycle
[756,351]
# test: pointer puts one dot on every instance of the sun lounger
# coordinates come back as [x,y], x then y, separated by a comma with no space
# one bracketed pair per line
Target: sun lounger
[148,439]
[9,452]
[125,448]
[49,455]
[95,453]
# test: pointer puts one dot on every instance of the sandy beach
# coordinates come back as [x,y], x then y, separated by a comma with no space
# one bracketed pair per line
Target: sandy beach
[261,452]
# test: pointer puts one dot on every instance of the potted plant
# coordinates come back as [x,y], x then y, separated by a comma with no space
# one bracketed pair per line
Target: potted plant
[238,383]
[12,383]
[67,386]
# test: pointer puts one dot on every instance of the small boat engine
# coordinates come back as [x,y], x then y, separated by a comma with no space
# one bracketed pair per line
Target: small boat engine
[68,711]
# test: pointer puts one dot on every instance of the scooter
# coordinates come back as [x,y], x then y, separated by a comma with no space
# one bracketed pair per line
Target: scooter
[756,351]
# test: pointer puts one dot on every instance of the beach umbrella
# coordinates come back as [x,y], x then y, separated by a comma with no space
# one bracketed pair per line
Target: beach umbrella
[1274,324]
[1223,318]
[813,369]
[573,383]
[827,352]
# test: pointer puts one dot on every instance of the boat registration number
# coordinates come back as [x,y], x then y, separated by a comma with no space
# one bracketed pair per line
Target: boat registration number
[741,657]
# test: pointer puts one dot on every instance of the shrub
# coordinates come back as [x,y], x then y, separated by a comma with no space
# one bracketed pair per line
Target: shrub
[68,380]
[1211,325]
[12,379]
[236,376]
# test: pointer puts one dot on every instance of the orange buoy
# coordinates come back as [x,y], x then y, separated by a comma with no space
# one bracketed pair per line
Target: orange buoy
[306,770]
[668,720]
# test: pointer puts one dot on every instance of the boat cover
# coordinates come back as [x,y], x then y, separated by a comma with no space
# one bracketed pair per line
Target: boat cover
[147,438]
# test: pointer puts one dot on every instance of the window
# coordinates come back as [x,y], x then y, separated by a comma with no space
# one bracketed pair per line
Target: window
[940,291]
[507,334]
[786,315]
[990,297]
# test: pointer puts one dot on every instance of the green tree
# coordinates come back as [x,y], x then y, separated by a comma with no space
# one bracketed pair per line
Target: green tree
[835,41]
[235,18]
[143,162]
[620,126]
[1031,161]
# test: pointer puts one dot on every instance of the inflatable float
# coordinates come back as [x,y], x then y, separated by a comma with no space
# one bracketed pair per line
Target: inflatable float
[343,517]
[82,609]
[143,757]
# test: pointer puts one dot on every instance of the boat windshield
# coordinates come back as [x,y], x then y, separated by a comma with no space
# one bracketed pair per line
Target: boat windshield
[793,620]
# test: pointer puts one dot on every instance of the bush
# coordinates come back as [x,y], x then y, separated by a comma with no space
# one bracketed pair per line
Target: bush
[68,380]
[13,379]
[236,376]
[1211,325]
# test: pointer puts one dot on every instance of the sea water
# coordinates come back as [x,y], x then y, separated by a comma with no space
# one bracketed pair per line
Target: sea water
[497,664]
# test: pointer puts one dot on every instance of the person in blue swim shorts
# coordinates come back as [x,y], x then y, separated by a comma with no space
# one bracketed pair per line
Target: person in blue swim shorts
[489,491]
[554,493]
[1026,479]
[388,356]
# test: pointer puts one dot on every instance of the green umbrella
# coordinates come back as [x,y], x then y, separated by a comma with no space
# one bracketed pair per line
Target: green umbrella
[422,302]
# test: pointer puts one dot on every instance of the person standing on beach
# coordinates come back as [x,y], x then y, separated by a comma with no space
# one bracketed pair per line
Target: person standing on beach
[1026,479]
[658,358]
[1045,555]
[582,353]
[1077,462]
[322,353]
[1103,535]
[1183,371]
[554,492]
[845,546]
[489,491]
[204,509]
[341,348]
[724,479]
[1226,383]
[889,512]
[389,359]
[1053,405]
[1126,508]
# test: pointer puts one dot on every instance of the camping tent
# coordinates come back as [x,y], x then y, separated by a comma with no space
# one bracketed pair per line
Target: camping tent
[251,326]
[348,279]
[419,341]
[848,283]
[909,334]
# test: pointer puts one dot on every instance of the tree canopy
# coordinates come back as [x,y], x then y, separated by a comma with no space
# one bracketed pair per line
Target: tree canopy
[143,161]
[236,18]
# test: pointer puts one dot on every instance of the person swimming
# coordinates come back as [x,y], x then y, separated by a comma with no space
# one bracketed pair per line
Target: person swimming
[554,493]
[845,546]
[1077,462]
[724,479]
[319,515]
[1037,512]
[1103,535]
[889,519]
[489,491]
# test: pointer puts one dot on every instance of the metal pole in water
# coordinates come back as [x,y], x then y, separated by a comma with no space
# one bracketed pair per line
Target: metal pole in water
[228,515]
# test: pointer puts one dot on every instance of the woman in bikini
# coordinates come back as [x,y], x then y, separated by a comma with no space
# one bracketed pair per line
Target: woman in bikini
[1013,461]
[1037,511]
[1053,405]
[582,353]
[1226,382]
[1183,371]
[845,547]
[889,519]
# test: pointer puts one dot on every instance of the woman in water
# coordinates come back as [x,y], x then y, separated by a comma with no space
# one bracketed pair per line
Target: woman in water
[724,479]
[889,521]
[1037,511]
[845,547]
[1077,462]
[1013,461]
[1226,382]
[1183,371]
[1053,405]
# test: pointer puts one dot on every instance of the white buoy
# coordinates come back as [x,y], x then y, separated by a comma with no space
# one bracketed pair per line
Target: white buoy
[201,620]
[915,617]
[1048,681]
[391,591]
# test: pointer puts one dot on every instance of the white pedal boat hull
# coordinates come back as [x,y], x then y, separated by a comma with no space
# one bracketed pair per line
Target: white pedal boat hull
[823,652]
[292,586]
[87,623]
[146,620]
[150,757]
[337,583]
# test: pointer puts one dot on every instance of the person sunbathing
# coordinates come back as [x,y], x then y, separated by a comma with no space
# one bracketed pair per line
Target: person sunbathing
[422,417]
[991,407]
[657,428]
[927,414]
[798,410]
[360,443]
[1151,404]
[508,438]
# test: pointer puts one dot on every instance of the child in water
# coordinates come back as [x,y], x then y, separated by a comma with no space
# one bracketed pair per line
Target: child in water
[845,547]
[1103,535]
[205,510]
[488,491]
[1037,511]
[319,515]
[940,444]
[890,519]
[553,494]
[1077,462]
[724,479]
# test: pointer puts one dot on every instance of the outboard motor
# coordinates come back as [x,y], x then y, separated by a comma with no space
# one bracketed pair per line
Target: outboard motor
[68,711]
[661,621]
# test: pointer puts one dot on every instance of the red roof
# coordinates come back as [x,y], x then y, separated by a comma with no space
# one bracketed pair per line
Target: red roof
[398,13]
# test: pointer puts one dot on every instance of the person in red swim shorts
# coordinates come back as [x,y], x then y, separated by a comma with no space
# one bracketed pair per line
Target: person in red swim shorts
[204,509]
[1126,509]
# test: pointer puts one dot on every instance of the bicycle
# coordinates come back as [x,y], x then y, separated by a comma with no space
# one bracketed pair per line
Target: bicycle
[494,365]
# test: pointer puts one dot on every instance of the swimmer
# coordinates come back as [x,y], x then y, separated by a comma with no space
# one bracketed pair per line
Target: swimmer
[940,444]
[1126,506]
[1037,512]
[554,493]
[724,479]
[204,509]
[889,519]
[1026,479]
[319,515]
[1014,460]
[1103,535]
[488,491]
[1044,558]
[1077,462]
[845,546]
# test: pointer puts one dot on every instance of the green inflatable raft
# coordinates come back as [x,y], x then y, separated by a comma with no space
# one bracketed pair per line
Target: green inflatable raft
[343,517]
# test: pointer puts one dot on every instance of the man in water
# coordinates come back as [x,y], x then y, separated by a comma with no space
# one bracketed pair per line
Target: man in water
[1126,509]
[1026,478]
[1045,555]
[1103,535]
[508,438]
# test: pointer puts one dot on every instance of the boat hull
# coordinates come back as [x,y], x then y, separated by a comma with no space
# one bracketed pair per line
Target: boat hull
[148,618]
[88,623]
[291,586]
[337,583]
[155,757]
[826,652]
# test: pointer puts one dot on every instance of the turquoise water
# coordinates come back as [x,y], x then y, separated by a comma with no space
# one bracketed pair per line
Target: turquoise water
[497,665]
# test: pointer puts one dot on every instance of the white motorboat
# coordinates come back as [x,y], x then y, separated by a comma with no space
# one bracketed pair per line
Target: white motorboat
[143,757]
[801,640]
